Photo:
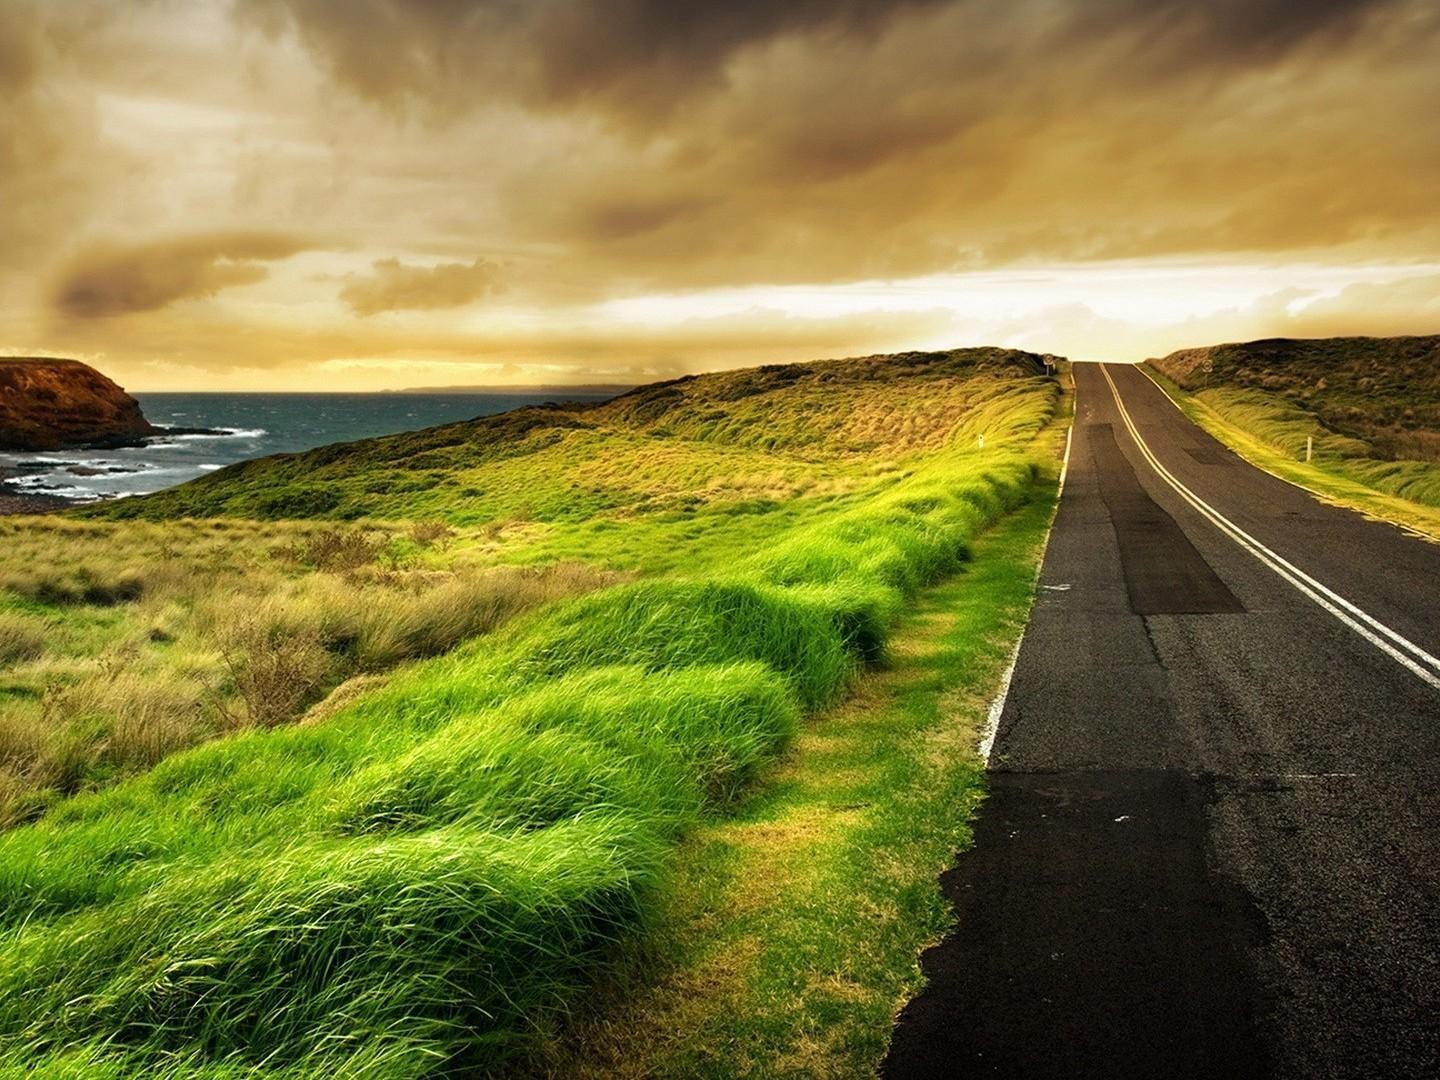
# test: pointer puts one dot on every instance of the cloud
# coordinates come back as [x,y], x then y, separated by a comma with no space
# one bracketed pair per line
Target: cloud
[640,147]
[641,58]
[120,281]
[50,152]
[706,144]
[393,286]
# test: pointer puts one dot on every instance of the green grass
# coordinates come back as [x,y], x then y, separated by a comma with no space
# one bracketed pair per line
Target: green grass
[1382,391]
[424,879]
[787,937]
[120,644]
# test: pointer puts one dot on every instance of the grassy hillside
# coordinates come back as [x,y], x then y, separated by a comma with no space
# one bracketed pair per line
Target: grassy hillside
[769,433]
[1371,407]
[420,876]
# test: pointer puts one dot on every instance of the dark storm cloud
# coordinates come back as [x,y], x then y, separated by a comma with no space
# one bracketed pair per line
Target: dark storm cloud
[640,58]
[821,141]
[1185,34]
[119,281]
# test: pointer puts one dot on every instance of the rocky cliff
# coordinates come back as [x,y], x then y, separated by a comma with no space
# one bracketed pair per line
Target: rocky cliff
[48,404]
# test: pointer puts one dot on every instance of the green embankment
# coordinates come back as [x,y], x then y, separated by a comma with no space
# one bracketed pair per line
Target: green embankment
[1368,407]
[789,934]
[423,881]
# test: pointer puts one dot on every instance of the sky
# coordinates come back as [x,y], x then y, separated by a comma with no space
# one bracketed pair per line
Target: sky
[370,194]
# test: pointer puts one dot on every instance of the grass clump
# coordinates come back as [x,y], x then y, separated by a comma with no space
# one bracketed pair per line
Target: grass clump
[22,637]
[789,934]
[225,636]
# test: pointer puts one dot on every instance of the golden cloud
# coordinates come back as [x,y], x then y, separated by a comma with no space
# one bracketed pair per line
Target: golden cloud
[393,286]
[577,152]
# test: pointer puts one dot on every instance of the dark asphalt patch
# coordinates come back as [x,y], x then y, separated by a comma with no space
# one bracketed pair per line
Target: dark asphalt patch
[1093,941]
[1164,574]
[1207,455]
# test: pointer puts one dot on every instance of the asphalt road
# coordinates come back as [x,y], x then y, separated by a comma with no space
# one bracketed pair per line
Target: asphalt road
[1212,844]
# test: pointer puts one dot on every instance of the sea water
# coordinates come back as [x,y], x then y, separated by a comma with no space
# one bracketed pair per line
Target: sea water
[249,426]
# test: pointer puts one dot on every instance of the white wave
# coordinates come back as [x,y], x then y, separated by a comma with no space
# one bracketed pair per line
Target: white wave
[64,491]
[225,433]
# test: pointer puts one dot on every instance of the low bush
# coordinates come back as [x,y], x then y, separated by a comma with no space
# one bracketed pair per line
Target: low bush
[98,586]
[337,549]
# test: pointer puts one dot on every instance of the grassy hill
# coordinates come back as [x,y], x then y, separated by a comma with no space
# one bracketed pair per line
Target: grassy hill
[1371,407]
[420,873]
[756,433]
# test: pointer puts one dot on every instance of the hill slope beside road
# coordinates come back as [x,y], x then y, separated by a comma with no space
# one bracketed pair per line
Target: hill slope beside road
[1366,410]
[422,874]
[1207,850]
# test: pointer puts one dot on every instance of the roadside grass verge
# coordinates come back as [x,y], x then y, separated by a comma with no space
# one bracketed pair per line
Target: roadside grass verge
[421,882]
[787,937]
[1270,432]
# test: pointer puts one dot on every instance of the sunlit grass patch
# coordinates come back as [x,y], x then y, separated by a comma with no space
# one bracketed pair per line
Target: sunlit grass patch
[787,937]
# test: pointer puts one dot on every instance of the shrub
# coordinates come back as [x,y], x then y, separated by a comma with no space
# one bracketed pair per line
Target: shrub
[432,534]
[276,667]
[337,549]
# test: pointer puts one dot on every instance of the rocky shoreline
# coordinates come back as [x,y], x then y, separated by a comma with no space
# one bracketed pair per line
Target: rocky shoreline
[17,499]
[33,504]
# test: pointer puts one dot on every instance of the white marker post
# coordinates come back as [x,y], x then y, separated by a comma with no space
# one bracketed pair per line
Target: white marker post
[981,440]
[1309,448]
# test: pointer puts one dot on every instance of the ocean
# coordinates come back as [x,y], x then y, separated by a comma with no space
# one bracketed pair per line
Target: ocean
[251,426]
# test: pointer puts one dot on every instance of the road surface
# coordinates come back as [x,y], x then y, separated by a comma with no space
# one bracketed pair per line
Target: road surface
[1212,844]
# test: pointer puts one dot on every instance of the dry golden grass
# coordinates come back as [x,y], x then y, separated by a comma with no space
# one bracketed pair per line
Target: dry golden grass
[122,643]
[22,637]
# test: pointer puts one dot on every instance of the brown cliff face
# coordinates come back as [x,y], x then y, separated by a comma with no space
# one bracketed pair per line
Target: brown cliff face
[50,404]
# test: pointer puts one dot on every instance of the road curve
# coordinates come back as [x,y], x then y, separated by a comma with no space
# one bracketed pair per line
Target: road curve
[1212,843]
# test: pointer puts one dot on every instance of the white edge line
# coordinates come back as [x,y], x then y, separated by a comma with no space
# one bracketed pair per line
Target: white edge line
[1290,574]
[1278,563]
[997,706]
[1319,496]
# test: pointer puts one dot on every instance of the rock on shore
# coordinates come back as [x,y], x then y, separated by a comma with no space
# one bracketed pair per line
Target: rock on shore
[51,404]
